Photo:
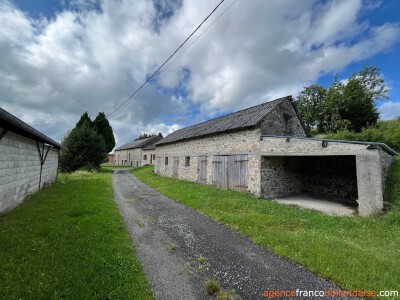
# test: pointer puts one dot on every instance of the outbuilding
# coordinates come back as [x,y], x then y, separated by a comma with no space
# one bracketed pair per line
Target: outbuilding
[264,150]
[28,160]
[133,154]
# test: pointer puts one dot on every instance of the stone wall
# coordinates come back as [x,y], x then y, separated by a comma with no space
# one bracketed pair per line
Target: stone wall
[282,121]
[129,157]
[241,142]
[20,169]
[279,178]
[386,161]
[150,157]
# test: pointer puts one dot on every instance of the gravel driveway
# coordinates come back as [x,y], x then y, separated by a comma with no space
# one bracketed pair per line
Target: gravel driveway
[180,248]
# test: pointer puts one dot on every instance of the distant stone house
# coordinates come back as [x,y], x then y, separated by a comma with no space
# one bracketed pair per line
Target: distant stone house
[133,154]
[149,154]
[264,150]
[28,160]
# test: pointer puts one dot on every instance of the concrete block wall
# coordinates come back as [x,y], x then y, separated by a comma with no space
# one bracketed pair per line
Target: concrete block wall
[20,169]
[241,142]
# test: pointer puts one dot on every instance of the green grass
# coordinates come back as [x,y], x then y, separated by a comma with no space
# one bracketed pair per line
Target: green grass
[107,166]
[356,253]
[69,242]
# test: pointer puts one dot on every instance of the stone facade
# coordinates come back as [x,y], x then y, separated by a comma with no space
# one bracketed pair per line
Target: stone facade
[148,157]
[20,168]
[279,161]
[242,142]
[282,121]
[137,153]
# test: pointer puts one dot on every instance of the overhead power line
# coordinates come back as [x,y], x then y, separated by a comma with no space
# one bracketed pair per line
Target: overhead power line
[163,64]
[130,98]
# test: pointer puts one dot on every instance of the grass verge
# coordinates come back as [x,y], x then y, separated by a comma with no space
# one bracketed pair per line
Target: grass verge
[356,253]
[69,242]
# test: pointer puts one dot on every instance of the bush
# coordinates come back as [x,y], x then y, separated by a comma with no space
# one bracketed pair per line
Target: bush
[387,132]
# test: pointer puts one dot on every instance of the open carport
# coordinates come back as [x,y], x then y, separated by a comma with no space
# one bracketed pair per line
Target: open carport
[350,173]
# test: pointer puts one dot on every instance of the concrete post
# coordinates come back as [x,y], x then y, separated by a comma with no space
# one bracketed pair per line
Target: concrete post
[369,181]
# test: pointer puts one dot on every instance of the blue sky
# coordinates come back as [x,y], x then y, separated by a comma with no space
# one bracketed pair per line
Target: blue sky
[63,57]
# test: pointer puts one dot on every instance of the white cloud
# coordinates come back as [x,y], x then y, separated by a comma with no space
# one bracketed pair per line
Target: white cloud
[389,110]
[93,55]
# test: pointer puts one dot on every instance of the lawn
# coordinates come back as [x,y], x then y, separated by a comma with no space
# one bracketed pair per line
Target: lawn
[69,242]
[355,253]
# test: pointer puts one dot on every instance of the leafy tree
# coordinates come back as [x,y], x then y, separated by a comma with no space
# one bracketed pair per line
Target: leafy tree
[85,149]
[104,128]
[344,105]
[309,105]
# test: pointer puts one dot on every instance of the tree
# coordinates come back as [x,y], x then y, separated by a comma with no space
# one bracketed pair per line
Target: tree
[344,105]
[104,128]
[309,105]
[145,136]
[85,149]
[85,118]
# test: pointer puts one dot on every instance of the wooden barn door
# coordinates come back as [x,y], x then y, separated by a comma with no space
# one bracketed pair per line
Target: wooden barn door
[237,170]
[175,167]
[230,172]
[202,169]
[220,176]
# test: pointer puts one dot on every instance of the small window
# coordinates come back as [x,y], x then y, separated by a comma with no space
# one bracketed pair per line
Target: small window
[187,161]
[145,157]
[154,156]
[166,161]
[288,124]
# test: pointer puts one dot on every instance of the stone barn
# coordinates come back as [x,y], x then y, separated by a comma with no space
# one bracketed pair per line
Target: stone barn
[149,155]
[263,150]
[28,160]
[132,154]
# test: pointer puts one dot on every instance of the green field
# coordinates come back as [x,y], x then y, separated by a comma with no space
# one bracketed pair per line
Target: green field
[69,242]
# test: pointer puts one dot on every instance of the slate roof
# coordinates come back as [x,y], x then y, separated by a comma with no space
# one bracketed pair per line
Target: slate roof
[150,147]
[246,118]
[14,124]
[140,143]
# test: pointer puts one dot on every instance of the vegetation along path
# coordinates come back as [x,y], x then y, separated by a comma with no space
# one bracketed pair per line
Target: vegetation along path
[180,248]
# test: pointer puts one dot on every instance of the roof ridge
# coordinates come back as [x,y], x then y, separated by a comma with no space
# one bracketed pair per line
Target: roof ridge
[244,118]
[241,110]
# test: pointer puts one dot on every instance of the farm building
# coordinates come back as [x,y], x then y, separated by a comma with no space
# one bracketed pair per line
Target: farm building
[111,158]
[149,154]
[28,160]
[134,154]
[264,150]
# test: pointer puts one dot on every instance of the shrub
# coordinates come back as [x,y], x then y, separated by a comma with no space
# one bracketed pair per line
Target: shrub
[387,132]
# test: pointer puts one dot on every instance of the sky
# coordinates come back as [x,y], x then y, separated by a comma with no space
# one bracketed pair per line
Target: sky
[60,58]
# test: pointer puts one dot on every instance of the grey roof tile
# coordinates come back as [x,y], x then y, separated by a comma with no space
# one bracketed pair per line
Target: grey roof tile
[245,118]
[140,143]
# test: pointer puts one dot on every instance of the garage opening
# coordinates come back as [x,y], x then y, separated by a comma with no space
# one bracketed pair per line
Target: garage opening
[328,178]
